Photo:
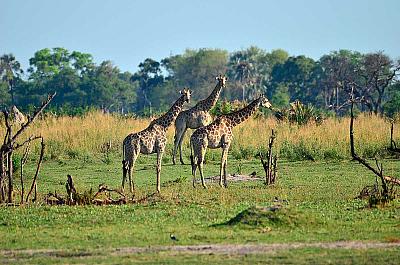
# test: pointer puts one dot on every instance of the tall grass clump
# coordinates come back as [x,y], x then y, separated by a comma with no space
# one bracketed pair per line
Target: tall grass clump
[77,137]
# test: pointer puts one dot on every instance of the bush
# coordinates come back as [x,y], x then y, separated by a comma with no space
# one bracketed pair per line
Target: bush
[299,151]
[299,114]
[243,152]
[223,107]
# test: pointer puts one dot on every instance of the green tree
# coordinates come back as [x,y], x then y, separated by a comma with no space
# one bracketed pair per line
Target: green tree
[10,73]
[82,62]
[251,69]
[297,75]
[337,73]
[195,69]
[376,73]
[392,105]
[46,63]
[148,78]
[248,68]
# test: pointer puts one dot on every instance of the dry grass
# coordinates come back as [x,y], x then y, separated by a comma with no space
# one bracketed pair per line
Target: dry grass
[89,134]
[329,139]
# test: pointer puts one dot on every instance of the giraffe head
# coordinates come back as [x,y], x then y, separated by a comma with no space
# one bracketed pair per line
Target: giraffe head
[221,80]
[264,102]
[186,93]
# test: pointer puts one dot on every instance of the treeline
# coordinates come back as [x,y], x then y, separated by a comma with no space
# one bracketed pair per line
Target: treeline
[81,84]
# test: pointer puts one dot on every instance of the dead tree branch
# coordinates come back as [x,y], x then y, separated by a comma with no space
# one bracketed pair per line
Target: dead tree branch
[24,159]
[34,116]
[34,184]
[10,145]
[70,187]
[271,162]
[393,147]
[379,171]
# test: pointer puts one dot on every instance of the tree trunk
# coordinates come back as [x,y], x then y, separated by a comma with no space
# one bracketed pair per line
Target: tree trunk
[10,177]
[2,179]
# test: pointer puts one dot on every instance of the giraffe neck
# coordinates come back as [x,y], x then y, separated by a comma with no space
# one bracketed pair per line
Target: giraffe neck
[241,115]
[169,117]
[212,99]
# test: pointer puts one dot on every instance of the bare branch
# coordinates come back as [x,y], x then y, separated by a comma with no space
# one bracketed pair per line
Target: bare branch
[23,162]
[30,139]
[31,119]
[37,169]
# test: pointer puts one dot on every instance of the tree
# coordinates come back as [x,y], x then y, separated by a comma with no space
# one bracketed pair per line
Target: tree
[10,73]
[297,75]
[392,105]
[376,73]
[82,62]
[251,69]
[195,69]
[107,88]
[148,77]
[247,67]
[46,63]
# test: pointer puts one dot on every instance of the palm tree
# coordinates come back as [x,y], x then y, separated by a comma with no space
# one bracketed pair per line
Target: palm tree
[242,71]
[10,72]
[250,69]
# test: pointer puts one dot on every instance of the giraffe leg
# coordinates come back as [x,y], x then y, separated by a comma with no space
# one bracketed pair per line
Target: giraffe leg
[180,146]
[130,169]
[159,157]
[225,163]
[223,166]
[194,168]
[180,129]
[200,165]
[130,165]
[193,160]
[124,171]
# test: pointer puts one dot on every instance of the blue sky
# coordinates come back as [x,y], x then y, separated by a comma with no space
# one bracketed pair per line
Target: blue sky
[129,31]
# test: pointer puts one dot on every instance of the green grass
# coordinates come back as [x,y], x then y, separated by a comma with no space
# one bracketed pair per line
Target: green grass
[320,207]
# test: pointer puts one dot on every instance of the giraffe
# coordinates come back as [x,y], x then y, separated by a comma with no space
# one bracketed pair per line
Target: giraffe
[196,117]
[218,134]
[151,140]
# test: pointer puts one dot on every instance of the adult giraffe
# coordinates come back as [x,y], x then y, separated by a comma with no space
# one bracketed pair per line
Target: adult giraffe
[151,140]
[218,134]
[196,117]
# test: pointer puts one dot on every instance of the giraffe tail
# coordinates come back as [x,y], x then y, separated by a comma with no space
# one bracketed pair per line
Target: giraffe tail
[124,161]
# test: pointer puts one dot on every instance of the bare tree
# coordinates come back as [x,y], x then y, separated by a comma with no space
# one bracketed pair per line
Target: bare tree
[376,73]
[9,145]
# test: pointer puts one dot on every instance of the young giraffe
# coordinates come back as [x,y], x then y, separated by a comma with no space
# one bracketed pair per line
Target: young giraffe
[151,140]
[196,117]
[218,134]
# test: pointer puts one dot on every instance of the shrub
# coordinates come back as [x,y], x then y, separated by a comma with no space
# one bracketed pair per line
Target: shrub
[299,113]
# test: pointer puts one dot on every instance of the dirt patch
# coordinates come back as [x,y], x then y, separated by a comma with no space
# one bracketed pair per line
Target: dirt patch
[239,249]
[256,248]
[233,178]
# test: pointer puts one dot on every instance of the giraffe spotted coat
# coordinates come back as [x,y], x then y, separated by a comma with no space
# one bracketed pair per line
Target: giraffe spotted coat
[219,134]
[196,117]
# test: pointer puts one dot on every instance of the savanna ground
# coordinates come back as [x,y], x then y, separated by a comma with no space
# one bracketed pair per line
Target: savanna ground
[319,221]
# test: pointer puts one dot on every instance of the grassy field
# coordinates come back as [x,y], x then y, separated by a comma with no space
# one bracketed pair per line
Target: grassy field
[317,199]
[80,137]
